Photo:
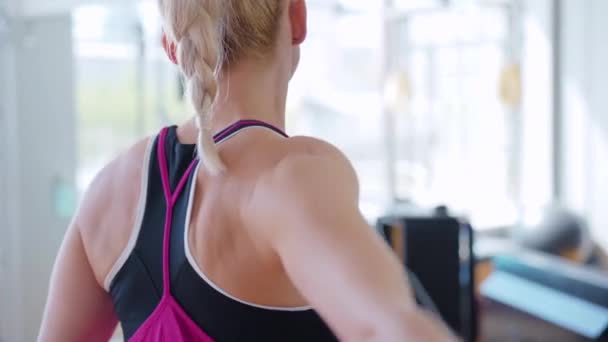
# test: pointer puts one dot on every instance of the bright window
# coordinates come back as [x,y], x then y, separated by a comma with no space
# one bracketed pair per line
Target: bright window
[337,93]
[125,87]
[455,142]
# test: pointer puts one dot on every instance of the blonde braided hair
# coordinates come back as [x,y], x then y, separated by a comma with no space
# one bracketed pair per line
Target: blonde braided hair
[210,35]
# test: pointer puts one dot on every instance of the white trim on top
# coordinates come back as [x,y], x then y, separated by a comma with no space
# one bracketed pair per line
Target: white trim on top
[141,208]
[198,270]
[235,133]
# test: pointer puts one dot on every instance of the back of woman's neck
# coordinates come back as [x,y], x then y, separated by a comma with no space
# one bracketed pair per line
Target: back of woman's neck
[248,91]
[252,92]
[229,115]
[187,132]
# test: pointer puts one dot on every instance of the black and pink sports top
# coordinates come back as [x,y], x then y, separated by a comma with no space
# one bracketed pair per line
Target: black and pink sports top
[159,292]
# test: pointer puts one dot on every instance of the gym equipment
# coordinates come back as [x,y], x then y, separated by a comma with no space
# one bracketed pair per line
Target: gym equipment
[532,296]
[438,254]
[558,232]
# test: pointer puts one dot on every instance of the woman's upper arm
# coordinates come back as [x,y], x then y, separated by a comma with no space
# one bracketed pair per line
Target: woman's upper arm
[331,254]
[77,309]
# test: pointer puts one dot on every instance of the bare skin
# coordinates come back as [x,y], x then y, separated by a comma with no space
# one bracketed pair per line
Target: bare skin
[280,228]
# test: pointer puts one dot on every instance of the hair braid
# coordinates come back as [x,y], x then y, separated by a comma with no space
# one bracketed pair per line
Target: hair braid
[198,35]
[211,35]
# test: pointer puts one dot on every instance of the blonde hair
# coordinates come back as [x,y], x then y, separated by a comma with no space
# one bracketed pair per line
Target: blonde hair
[210,35]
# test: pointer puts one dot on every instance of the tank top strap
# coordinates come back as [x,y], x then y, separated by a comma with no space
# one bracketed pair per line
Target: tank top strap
[172,195]
[244,124]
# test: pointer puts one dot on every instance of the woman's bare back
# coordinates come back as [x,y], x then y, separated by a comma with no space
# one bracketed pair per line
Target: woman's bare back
[280,228]
[224,247]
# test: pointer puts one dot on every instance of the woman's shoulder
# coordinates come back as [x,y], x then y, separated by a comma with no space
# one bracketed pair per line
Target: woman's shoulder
[308,154]
[307,171]
[107,211]
[273,159]
[299,146]
[313,181]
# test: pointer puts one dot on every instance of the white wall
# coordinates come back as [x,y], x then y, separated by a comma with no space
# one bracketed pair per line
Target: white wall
[46,7]
[10,7]
[39,150]
[585,109]
[37,8]
[9,258]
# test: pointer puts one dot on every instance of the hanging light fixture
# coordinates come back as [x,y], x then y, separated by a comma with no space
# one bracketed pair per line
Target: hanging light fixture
[398,91]
[509,91]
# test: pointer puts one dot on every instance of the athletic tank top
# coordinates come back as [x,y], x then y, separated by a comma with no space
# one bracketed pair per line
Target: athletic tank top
[159,292]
